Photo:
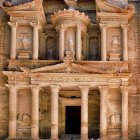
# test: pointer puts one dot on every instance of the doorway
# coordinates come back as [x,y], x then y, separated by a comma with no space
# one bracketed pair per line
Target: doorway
[73,120]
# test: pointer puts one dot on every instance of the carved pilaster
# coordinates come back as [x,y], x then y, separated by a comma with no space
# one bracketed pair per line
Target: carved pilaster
[84,111]
[103,28]
[13,26]
[35,40]
[103,110]
[35,112]
[12,110]
[125,40]
[61,41]
[54,111]
[125,91]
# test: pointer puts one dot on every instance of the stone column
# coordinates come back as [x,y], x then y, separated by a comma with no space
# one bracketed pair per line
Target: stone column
[125,46]
[13,39]
[125,92]
[61,42]
[35,112]
[78,43]
[35,40]
[103,111]
[54,111]
[103,28]
[12,111]
[84,112]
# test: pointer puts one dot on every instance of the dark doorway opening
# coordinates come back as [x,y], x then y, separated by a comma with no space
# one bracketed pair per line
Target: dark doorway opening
[73,119]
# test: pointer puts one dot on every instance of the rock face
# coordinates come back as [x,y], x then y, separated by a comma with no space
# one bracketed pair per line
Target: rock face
[119,3]
[81,47]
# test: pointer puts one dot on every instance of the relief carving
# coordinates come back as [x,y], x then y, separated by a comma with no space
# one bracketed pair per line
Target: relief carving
[115,120]
[24,45]
[115,49]
[23,124]
[51,49]
[24,41]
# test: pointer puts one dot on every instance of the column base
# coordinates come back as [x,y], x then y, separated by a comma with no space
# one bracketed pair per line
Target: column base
[18,139]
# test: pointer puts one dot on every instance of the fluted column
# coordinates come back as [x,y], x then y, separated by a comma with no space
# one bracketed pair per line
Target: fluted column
[61,42]
[103,111]
[84,112]
[78,43]
[35,112]
[54,111]
[125,92]
[125,45]
[103,28]
[13,39]
[12,111]
[35,40]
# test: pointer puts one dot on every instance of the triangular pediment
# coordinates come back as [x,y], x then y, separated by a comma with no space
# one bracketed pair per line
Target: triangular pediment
[113,7]
[64,68]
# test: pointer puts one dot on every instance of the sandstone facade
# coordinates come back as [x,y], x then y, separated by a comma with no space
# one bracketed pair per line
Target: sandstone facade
[55,60]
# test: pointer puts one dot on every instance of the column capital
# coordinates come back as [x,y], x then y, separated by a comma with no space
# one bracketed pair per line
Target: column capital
[79,27]
[84,88]
[60,27]
[103,89]
[125,26]
[34,24]
[13,24]
[55,87]
[125,89]
[35,87]
[103,26]
[10,86]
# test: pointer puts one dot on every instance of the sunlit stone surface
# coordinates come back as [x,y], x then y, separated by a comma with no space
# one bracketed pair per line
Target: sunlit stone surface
[69,70]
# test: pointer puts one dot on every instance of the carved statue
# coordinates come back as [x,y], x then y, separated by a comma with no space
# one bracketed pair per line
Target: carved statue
[119,3]
[115,120]
[115,47]
[71,45]
[51,52]
[24,42]
[23,120]
[71,4]
[51,49]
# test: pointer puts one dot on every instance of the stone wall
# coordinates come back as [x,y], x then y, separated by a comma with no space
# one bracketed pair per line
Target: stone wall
[3,90]
[134,47]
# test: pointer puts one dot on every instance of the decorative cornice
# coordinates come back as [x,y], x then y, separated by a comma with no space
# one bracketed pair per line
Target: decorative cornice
[29,9]
[66,15]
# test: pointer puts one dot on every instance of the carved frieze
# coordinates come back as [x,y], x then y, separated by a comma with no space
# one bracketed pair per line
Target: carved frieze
[23,125]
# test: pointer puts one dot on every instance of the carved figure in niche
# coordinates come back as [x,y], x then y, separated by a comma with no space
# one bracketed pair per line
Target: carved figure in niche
[51,49]
[115,47]
[71,45]
[115,120]
[93,51]
[24,41]
[23,120]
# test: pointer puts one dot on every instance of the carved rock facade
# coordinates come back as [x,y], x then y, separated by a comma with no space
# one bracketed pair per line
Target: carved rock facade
[55,60]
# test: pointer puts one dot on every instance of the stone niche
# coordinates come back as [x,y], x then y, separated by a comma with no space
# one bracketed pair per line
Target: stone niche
[51,52]
[24,113]
[24,42]
[114,104]
[114,44]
